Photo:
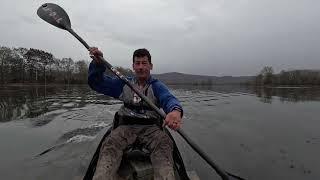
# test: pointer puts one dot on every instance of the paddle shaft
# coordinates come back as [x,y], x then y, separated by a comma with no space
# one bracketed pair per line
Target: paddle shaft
[194,146]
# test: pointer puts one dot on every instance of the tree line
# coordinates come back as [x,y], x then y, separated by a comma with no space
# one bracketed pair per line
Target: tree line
[22,65]
[267,77]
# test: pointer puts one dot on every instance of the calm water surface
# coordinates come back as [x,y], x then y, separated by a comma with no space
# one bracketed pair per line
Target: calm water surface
[257,133]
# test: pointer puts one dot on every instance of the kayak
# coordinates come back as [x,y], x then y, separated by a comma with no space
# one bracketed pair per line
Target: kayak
[136,164]
[57,16]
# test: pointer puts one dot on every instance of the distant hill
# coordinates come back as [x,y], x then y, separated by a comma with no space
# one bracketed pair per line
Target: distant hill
[180,78]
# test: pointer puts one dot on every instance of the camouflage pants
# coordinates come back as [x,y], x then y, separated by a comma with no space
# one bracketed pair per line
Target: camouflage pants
[151,137]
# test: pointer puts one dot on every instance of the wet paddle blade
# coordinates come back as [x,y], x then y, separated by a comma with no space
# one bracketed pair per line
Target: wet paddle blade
[55,15]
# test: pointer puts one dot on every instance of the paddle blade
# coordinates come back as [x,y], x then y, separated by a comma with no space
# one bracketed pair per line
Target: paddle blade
[54,15]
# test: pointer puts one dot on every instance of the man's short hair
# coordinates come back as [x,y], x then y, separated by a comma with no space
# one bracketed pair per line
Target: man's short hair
[141,53]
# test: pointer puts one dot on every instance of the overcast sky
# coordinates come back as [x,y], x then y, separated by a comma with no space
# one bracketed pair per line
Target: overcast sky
[208,37]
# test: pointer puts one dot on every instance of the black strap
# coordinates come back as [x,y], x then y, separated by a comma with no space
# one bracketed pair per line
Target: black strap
[127,120]
[137,107]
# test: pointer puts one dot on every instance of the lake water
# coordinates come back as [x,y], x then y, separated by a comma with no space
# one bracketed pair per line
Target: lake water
[264,134]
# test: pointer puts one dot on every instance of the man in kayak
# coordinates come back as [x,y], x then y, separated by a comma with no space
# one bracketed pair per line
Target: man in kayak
[138,123]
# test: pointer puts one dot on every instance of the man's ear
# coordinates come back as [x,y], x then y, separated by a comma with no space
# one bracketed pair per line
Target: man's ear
[151,66]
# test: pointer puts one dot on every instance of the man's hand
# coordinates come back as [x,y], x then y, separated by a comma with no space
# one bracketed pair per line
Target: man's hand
[173,120]
[95,53]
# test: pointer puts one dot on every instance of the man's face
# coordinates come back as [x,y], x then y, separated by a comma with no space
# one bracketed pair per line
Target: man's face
[142,67]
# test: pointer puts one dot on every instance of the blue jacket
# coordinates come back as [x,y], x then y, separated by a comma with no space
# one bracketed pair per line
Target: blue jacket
[114,87]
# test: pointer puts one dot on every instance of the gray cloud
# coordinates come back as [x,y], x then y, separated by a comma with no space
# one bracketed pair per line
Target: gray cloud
[213,37]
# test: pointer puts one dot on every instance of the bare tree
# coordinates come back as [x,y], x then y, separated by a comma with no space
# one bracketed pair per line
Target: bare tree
[267,74]
[4,55]
[81,71]
[68,67]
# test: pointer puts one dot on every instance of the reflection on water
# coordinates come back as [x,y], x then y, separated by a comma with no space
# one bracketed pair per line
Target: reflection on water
[64,122]
[266,94]
[19,102]
[31,101]
[287,94]
[246,137]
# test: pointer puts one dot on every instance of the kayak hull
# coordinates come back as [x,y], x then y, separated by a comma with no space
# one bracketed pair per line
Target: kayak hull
[136,163]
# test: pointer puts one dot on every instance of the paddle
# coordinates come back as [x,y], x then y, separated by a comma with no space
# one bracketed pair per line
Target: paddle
[56,16]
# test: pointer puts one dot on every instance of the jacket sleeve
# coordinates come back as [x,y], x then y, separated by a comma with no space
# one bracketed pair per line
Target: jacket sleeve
[98,81]
[168,102]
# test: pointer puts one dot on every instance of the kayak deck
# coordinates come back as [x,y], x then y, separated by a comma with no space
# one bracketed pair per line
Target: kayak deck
[136,164]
